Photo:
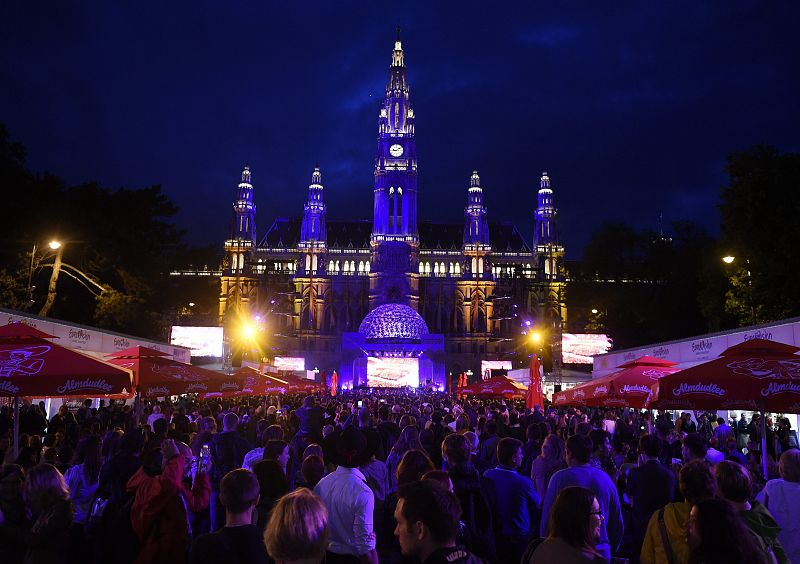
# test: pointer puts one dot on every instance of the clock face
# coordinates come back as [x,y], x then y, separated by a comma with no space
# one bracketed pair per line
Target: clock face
[396,150]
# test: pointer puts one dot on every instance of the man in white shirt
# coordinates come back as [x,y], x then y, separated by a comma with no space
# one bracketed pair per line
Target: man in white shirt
[348,499]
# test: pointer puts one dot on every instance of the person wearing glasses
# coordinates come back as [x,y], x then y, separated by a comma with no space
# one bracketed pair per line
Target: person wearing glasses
[581,473]
[576,521]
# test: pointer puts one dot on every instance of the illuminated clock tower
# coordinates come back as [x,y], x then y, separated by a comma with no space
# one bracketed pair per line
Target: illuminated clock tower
[394,277]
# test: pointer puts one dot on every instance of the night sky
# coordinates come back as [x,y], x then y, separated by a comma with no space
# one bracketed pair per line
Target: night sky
[631,107]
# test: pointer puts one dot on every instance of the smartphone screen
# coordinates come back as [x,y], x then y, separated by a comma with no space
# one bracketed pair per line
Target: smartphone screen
[205,453]
[360,403]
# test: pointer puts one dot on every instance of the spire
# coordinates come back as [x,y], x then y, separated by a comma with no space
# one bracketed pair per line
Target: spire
[244,208]
[545,230]
[476,227]
[313,227]
[397,54]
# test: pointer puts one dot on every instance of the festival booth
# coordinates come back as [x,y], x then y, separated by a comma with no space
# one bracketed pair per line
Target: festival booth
[497,387]
[32,366]
[629,387]
[757,375]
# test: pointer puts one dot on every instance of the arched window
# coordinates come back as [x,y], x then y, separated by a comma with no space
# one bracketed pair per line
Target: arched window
[474,265]
[436,268]
[313,264]
[366,266]
[458,268]
[308,262]
[361,266]
[427,268]
[422,268]
[336,266]
[480,265]
[330,266]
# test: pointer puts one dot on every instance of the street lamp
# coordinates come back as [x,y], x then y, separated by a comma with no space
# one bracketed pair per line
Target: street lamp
[730,259]
[51,288]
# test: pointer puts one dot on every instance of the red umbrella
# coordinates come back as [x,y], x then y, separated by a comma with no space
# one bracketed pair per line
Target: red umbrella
[534,395]
[498,386]
[628,387]
[32,366]
[756,375]
[334,383]
[155,375]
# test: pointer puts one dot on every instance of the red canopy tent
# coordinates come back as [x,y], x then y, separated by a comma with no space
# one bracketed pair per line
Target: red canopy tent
[155,375]
[497,386]
[756,375]
[30,365]
[628,387]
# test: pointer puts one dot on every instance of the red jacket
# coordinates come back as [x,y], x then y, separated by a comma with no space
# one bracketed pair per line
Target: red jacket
[158,515]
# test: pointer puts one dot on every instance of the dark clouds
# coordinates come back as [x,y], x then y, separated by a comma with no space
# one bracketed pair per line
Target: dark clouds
[630,106]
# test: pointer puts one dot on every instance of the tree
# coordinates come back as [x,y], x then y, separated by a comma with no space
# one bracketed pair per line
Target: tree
[645,286]
[760,228]
[123,240]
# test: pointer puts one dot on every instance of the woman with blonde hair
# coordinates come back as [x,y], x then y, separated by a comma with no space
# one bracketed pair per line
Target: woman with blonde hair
[47,497]
[548,463]
[297,532]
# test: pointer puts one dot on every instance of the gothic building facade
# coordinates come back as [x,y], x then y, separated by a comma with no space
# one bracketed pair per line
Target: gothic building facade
[479,284]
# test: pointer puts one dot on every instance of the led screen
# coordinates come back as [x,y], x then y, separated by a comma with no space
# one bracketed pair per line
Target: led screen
[392,372]
[488,365]
[203,341]
[579,348]
[290,363]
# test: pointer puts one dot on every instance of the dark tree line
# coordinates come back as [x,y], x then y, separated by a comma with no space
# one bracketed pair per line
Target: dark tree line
[647,287]
[123,240]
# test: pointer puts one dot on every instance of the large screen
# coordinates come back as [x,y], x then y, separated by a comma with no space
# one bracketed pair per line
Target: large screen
[203,341]
[488,365]
[290,363]
[579,348]
[392,372]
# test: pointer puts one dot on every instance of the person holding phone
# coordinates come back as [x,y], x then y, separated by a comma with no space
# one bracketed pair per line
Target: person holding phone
[159,513]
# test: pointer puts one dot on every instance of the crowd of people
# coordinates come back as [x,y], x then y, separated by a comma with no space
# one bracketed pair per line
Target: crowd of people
[393,476]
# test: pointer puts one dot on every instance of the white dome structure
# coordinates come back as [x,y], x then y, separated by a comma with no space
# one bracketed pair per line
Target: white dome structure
[393,321]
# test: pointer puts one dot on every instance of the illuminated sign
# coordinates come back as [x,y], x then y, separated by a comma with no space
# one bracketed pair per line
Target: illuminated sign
[579,348]
[290,363]
[203,341]
[488,365]
[392,372]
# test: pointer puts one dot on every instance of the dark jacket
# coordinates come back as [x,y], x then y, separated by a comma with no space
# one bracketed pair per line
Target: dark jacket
[650,488]
[453,555]
[49,536]
[227,453]
[475,510]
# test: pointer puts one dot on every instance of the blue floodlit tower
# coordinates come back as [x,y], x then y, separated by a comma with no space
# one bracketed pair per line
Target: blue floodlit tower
[395,239]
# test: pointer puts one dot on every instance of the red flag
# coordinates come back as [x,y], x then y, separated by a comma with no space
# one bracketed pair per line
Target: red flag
[534,395]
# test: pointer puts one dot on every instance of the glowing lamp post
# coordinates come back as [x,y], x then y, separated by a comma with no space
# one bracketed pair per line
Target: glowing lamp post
[51,288]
